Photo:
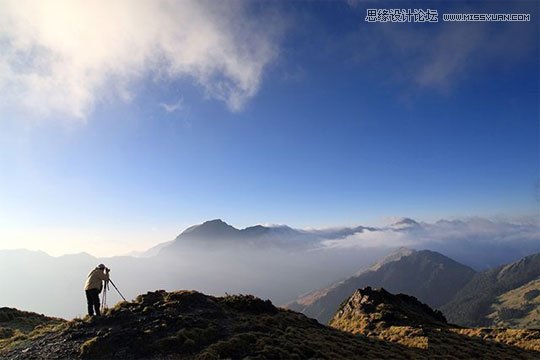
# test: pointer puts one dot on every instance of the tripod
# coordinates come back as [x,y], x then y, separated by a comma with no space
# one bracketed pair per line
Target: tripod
[104,296]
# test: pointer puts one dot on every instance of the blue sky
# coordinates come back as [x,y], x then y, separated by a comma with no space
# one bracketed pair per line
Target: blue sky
[296,112]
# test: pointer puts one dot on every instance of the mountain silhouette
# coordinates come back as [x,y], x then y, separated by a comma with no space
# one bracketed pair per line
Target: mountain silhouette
[213,229]
[405,224]
[217,233]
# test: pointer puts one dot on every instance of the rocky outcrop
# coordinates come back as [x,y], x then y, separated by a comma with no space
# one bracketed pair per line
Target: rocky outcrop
[370,309]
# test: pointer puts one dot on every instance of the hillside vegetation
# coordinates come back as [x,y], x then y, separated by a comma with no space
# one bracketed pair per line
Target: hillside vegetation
[191,325]
[519,308]
[504,296]
[16,323]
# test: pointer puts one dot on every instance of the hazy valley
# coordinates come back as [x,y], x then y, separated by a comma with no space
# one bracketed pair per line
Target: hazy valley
[281,263]
[275,262]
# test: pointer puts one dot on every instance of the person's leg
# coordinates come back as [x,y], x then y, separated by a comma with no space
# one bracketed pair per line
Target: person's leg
[95,295]
[90,302]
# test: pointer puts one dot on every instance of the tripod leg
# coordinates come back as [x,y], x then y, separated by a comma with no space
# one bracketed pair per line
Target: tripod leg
[117,290]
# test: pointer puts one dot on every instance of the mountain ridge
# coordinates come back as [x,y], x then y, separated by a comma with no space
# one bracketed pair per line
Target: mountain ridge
[190,325]
[428,275]
[473,304]
[219,234]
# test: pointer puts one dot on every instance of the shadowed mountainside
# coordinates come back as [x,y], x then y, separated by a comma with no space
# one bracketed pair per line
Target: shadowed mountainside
[506,295]
[428,275]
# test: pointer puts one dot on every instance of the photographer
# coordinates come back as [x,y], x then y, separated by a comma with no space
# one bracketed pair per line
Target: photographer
[93,287]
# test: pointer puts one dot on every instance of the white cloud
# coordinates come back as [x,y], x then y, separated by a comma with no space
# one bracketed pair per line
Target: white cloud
[170,108]
[449,56]
[368,238]
[455,233]
[439,58]
[64,56]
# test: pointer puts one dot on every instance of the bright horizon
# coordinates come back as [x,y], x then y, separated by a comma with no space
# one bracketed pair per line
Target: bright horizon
[121,124]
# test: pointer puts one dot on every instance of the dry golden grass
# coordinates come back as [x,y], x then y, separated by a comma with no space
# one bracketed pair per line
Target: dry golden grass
[519,308]
[463,343]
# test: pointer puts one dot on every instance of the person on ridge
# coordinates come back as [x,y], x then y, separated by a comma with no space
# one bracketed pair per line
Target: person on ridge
[93,286]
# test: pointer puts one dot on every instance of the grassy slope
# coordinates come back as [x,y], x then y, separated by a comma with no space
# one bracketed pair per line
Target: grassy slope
[14,322]
[474,304]
[518,308]
[191,325]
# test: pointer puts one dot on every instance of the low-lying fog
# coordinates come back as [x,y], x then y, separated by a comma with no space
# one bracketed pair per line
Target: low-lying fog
[35,281]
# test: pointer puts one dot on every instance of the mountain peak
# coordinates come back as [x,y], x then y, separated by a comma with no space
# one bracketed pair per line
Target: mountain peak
[217,232]
[407,220]
[210,228]
[405,223]
[395,256]
[215,223]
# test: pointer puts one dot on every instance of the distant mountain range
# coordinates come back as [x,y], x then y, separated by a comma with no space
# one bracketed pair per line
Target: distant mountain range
[217,233]
[462,240]
[281,263]
[505,296]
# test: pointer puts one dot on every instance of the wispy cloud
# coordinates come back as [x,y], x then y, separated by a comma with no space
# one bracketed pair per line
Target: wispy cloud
[436,57]
[64,56]
[371,238]
[170,108]
[448,56]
